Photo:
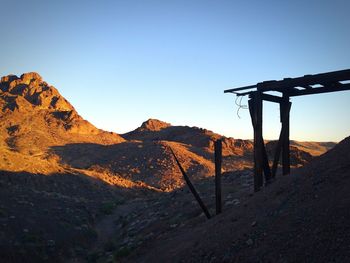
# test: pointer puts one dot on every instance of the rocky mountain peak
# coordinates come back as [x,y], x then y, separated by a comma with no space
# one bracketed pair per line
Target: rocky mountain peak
[30,91]
[29,106]
[30,76]
[154,125]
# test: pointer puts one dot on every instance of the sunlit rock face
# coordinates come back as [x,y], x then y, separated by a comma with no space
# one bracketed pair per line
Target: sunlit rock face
[153,125]
[31,91]
[35,116]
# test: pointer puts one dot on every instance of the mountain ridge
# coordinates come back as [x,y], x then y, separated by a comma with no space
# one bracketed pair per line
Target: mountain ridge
[39,126]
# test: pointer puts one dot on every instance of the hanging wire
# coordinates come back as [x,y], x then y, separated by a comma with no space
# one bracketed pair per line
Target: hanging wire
[240,105]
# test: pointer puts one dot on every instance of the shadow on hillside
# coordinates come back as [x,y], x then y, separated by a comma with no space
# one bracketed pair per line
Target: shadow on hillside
[149,162]
[51,216]
[54,216]
[84,155]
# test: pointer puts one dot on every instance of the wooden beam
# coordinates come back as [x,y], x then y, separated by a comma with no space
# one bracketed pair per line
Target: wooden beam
[282,85]
[218,162]
[190,185]
[285,109]
[305,82]
[259,137]
[335,87]
[277,154]
[238,89]
[251,104]
[278,147]
[255,109]
[271,98]
[306,87]
[266,166]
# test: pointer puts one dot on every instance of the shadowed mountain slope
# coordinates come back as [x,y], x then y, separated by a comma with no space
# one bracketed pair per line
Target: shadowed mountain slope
[298,218]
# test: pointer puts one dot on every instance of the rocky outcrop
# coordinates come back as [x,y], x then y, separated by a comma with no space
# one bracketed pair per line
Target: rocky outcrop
[154,125]
[42,117]
[31,91]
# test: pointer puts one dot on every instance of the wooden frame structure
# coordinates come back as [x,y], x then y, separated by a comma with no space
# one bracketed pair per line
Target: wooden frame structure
[286,88]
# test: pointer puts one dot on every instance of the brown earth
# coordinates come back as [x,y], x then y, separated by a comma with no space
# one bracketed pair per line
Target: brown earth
[299,218]
[72,191]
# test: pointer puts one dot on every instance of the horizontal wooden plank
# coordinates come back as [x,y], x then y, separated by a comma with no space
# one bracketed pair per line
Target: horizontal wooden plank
[325,89]
[288,84]
[271,98]
[306,80]
[240,88]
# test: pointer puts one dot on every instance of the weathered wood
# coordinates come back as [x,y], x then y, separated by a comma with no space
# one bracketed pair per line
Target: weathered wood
[330,82]
[253,117]
[277,155]
[218,162]
[241,88]
[255,109]
[191,187]
[266,166]
[334,87]
[327,77]
[271,98]
[288,87]
[307,87]
[259,137]
[285,109]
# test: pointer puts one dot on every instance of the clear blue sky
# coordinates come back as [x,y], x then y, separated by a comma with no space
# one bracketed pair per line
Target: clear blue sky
[122,62]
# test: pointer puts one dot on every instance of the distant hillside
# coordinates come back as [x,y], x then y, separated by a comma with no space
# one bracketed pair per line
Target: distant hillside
[202,142]
[314,148]
[156,130]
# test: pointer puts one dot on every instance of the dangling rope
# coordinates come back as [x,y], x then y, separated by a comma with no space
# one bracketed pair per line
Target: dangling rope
[239,104]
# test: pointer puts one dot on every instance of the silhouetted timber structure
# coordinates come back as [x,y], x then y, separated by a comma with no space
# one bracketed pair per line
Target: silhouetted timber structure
[288,87]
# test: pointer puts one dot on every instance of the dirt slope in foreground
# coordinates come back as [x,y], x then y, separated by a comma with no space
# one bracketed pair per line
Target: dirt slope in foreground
[304,217]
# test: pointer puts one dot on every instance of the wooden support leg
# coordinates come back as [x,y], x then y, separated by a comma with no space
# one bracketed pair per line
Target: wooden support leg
[218,161]
[255,109]
[284,118]
[285,109]
[277,154]
[266,166]
[191,187]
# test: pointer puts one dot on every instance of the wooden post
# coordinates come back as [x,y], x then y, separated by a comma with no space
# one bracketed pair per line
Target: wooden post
[218,161]
[277,154]
[266,166]
[285,109]
[255,109]
[190,185]
[281,138]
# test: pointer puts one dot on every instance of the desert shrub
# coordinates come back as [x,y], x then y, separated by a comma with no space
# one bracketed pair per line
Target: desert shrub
[122,252]
[107,208]
[109,246]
